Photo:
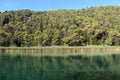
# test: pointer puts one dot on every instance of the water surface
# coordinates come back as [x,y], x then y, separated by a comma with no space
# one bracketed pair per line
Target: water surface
[70,67]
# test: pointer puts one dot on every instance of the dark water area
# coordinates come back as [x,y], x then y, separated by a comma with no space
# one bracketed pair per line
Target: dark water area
[73,67]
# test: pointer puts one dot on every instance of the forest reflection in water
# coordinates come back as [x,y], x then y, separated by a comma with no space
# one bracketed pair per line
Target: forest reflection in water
[80,67]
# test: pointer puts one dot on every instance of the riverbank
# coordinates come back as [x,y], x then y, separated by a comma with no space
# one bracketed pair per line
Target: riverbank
[61,49]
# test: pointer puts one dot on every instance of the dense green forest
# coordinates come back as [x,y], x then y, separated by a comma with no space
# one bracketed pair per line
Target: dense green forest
[89,26]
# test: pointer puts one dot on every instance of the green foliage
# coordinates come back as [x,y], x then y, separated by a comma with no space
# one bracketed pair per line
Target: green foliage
[90,26]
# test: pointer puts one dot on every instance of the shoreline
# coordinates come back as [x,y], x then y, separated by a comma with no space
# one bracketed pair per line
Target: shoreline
[61,49]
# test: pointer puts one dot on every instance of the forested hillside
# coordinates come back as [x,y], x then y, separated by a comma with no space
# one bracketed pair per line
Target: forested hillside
[90,26]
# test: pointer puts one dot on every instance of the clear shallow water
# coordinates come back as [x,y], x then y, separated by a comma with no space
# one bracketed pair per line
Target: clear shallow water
[80,67]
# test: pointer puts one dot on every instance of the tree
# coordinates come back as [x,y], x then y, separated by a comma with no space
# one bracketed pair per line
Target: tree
[90,26]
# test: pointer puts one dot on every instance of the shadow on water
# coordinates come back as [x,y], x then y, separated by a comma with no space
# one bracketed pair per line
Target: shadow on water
[60,68]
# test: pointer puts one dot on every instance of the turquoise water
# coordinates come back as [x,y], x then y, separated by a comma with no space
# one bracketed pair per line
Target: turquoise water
[79,67]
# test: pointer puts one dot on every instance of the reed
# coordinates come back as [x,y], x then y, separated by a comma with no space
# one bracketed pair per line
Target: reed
[61,50]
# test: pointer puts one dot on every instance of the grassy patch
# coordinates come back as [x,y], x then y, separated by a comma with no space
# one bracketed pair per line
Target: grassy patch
[60,47]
